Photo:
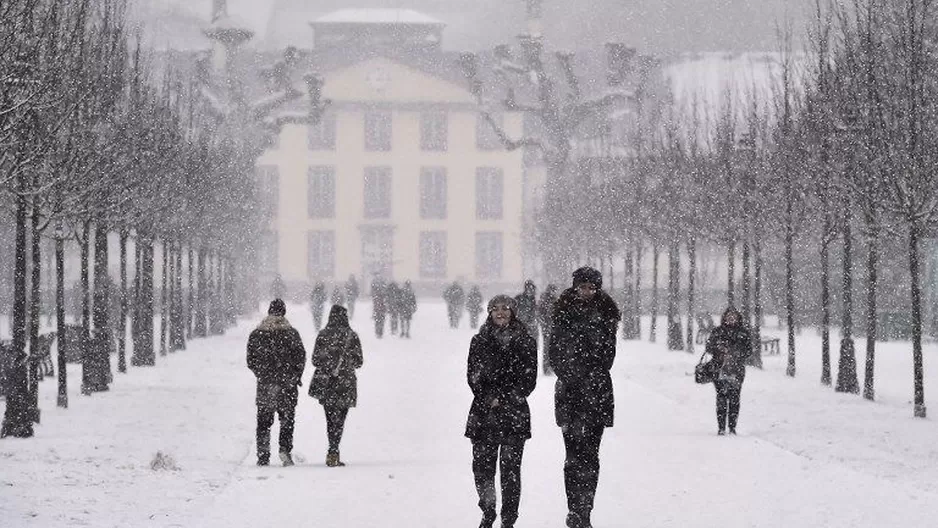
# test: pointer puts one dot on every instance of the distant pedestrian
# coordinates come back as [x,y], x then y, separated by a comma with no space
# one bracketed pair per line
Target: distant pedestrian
[502,373]
[527,308]
[336,356]
[582,351]
[351,293]
[730,346]
[317,300]
[545,317]
[474,305]
[379,305]
[394,306]
[276,356]
[338,295]
[455,298]
[408,306]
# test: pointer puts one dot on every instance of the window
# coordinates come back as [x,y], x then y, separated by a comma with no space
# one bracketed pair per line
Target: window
[433,254]
[377,251]
[322,134]
[321,189]
[489,190]
[433,193]
[378,130]
[377,192]
[486,138]
[434,130]
[488,255]
[321,255]
[268,186]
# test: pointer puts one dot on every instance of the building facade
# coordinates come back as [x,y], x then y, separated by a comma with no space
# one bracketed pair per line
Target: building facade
[401,179]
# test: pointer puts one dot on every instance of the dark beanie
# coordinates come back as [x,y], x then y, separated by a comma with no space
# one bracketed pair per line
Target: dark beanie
[588,274]
[503,299]
[277,307]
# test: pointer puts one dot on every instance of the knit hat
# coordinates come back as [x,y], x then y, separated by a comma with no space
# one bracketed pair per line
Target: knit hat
[503,299]
[589,275]
[277,307]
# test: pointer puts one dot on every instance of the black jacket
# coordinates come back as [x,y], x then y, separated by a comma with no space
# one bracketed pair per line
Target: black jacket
[581,351]
[730,347]
[275,353]
[408,302]
[338,353]
[474,301]
[502,365]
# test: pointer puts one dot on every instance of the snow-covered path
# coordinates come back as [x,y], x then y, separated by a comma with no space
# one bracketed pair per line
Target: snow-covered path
[797,462]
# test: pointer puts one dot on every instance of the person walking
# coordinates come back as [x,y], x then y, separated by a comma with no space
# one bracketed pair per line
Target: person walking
[474,305]
[527,308]
[582,351]
[351,293]
[317,299]
[379,305]
[394,305]
[336,356]
[502,373]
[338,295]
[455,298]
[276,356]
[545,317]
[408,306]
[730,346]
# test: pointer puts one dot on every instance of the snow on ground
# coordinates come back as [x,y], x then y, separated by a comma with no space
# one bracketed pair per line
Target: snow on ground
[805,455]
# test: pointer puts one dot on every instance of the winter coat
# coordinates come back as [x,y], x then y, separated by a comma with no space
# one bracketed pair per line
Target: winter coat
[474,301]
[338,352]
[730,347]
[351,289]
[408,301]
[527,309]
[338,296]
[581,352]
[502,365]
[275,353]
[379,299]
[394,298]
[318,296]
[454,296]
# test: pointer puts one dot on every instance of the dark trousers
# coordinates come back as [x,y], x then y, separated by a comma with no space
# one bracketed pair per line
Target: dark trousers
[394,319]
[379,324]
[484,458]
[405,326]
[474,320]
[728,394]
[335,426]
[275,399]
[581,467]
[317,319]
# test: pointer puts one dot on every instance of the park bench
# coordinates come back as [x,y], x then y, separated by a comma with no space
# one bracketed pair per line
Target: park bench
[770,346]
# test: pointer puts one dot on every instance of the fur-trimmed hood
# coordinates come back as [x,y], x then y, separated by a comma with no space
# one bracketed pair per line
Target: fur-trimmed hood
[274,322]
[601,300]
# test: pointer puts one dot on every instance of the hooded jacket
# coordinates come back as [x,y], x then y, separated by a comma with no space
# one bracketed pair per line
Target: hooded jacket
[502,366]
[582,350]
[730,346]
[275,352]
[338,353]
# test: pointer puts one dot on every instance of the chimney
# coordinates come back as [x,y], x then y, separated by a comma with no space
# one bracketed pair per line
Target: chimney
[535,15]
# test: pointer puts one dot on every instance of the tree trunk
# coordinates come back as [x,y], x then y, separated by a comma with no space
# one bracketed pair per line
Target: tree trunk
[746,304]
[164,301]
[790,277]
[201,323]
[61,345]
[136,309]
[638,291]
[629,327]
[825,305]
[35,302]
[177,322]
[691,281]
[190,306]
[675,337]
[101,347]
[755,359]
[16,418]
[872,256]
[654,294]
[87,360]
[847,363]
[731,273]
[917,367]
[144,354]
[122,324]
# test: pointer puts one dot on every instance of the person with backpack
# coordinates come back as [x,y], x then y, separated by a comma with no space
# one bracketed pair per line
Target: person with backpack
[336,356]
[276,356]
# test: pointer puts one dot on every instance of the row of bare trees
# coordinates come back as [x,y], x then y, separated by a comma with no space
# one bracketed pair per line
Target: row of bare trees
[96,144]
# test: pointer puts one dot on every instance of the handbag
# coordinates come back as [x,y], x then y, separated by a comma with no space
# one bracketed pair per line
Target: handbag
[704,372]
[325,381]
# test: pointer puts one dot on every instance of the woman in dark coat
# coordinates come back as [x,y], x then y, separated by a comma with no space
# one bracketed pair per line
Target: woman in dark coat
[730,346]
[502,372]
[338,353]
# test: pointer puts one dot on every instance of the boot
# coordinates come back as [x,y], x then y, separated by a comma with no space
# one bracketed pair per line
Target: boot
[578,520]
[286,459]
[332,459]
[263,460]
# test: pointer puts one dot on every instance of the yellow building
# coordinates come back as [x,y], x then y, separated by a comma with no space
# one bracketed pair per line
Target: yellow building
[401,178]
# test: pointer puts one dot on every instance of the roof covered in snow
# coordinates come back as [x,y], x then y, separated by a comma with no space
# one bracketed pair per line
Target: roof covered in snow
[378,16]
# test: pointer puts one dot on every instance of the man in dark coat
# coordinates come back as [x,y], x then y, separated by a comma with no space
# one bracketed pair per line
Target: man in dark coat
[527,308]
[408,306]
[455,298]
[276,356]
[474,305]
[502,373]
[351,294]
[545,316]
[317,299]
[582,351]
[394,305]
[730,346]
[379,306]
